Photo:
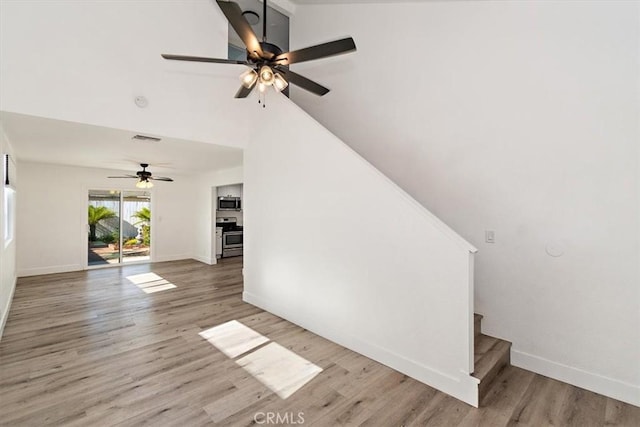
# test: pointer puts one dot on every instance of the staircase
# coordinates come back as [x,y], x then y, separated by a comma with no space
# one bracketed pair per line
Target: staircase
[491,356]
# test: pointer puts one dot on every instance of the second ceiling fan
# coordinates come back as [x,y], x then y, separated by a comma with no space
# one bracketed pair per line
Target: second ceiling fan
[268,65]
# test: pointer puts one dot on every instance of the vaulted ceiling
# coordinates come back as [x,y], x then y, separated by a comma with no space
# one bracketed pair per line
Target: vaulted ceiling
[70,73]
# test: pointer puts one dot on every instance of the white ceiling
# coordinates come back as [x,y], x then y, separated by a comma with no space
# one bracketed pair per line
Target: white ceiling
[358,1]
[43,140]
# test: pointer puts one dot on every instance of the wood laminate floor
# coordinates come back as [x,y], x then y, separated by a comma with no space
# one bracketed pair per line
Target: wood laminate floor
[94,349]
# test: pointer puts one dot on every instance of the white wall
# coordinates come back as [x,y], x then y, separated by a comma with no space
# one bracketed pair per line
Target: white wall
[91,59]
[518,117]
[396,288]
[205,187]
[52,216]
[7,251]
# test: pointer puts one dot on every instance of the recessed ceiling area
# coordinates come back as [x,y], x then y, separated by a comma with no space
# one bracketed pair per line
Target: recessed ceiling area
[42,140]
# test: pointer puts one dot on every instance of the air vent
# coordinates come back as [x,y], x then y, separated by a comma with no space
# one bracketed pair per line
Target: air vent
[146,138]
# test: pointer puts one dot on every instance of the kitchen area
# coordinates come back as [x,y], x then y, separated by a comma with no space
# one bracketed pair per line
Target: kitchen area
[228,218]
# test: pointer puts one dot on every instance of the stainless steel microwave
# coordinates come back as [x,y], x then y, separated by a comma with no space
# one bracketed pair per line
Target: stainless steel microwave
[229,203]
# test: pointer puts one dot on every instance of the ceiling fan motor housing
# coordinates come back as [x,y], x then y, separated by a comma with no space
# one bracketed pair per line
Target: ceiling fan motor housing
[262,54]
[143,174]
[269,50]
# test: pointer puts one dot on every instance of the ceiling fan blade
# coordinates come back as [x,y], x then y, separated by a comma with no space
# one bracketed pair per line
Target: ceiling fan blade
[125,176]
[316,52]
[239,23]
[202,59]
[243,92]
[303,82]
[161,178]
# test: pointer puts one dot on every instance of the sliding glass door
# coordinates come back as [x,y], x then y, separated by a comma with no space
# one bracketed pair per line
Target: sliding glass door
[104,227]
[119,227]
[136,230]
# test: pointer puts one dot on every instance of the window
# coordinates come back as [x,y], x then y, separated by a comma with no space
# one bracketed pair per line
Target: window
[9,214]
[9,194]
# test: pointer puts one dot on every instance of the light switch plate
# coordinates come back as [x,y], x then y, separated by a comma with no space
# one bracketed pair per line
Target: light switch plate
[490,236]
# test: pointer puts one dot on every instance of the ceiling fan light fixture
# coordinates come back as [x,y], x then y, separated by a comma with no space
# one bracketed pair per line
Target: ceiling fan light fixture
[248,78]
[144,183]
[266,75]
[279,82]
[264,57]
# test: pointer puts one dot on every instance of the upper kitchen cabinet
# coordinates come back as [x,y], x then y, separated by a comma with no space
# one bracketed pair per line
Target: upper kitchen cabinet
[234,190]
[229,198]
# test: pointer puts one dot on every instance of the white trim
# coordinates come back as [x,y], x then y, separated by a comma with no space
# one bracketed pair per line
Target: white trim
[464,387]
[10,216]
[205,260]
[471,313]
[175,257]
[5,313]
[49,270]
[78,267]
[101,266]
[609,387]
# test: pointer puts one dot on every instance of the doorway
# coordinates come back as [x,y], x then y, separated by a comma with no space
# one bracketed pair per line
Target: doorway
[119,227]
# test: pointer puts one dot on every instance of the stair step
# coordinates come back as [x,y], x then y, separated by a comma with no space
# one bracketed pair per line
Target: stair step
[491,356]
[477,318]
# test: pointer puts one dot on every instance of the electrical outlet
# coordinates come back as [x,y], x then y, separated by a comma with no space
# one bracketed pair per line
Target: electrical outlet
[490,236]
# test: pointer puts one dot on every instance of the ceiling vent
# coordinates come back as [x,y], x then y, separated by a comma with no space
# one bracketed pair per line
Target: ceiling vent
[146,138]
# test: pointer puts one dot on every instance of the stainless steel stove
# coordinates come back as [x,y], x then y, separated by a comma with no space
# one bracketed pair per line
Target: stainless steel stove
[232,237]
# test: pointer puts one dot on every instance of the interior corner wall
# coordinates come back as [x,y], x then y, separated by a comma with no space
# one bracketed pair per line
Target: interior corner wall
[205,216]
[322,251]
[7,252]
[516,117]
[52,221]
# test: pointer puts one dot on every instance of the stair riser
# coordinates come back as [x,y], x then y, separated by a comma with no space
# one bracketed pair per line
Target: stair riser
[488,380]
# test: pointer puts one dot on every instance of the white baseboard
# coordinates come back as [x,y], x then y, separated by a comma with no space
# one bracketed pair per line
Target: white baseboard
[176,257]
[7,307]
[77,267]
[49,270]
[609,387]
[205,260]
[463,386]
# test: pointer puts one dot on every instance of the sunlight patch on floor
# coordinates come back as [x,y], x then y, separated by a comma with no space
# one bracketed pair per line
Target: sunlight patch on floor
[150,282]
[275,366]
[280,369]
[233,338]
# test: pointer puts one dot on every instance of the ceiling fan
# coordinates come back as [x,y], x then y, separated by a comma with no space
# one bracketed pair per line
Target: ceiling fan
[144,177]
[268,65]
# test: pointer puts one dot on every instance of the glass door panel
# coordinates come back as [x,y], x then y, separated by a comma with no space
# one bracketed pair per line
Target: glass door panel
[104,227]
[119,227]
[136,226]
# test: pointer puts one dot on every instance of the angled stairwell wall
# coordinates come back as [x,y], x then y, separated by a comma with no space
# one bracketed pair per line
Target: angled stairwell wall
[333,245]
[496,115]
